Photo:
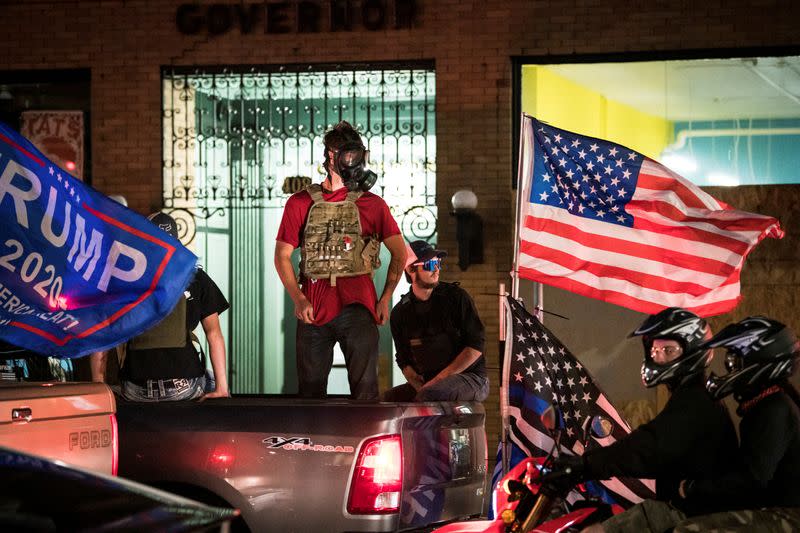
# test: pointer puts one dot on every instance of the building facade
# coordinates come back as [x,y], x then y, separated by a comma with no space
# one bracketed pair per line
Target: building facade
[123,50]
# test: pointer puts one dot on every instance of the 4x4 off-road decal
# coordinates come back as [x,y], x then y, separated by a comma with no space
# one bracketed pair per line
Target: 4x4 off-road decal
[304,444]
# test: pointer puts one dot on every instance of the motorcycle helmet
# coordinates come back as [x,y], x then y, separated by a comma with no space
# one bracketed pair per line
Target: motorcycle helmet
[760,352]
[685,327]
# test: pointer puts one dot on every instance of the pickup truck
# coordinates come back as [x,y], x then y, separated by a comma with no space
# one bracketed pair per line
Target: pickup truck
[310,465]
[70,422]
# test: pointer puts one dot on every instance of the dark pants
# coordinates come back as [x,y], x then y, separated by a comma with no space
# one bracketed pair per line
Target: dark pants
[356,332]
[464,387]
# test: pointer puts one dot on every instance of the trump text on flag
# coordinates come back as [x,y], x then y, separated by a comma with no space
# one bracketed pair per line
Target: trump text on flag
[77,271]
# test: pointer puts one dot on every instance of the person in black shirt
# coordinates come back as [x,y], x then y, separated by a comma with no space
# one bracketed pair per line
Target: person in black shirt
[163,364]
[438,335]
[693,436]
[760,489]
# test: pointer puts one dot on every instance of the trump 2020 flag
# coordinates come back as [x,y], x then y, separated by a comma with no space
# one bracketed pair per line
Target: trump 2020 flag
[606,222]
[78,272]
[543,373]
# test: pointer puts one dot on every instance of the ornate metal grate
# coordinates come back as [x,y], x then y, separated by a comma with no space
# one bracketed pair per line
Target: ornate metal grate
[232,137]
[238,142]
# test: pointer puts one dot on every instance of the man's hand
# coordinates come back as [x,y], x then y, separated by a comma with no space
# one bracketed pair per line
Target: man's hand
[413,379]
[433,381]
[303,310]
[382,308]
[219,393]
[574,465]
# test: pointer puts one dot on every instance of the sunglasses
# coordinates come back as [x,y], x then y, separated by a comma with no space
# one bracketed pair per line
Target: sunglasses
[431,265]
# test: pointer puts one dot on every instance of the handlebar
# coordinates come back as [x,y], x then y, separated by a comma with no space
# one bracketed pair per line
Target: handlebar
[534,505]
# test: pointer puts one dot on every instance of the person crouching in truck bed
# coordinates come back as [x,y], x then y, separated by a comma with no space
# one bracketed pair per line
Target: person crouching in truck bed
[162,364]
[438,334]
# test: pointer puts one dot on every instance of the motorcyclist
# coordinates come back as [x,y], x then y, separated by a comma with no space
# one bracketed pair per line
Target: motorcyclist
[760,489]
[692,437]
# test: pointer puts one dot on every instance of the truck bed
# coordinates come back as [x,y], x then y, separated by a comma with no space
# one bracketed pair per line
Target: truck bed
[289,463]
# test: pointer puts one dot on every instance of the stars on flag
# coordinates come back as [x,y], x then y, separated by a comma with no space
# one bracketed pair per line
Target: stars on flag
[546,368]
[596,183]
[64,180]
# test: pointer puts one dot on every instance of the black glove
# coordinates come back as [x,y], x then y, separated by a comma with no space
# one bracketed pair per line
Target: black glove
[572,465]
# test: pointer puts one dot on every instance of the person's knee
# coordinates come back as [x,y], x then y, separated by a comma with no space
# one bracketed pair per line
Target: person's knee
[426,395]
[400,393]
[594,528]
[433,394]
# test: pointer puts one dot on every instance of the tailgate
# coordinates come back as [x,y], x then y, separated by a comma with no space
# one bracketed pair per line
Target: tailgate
[70,422]
[445,463]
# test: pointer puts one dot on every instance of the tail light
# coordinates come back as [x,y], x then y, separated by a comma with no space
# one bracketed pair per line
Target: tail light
[114,445]
[378,477]
[221,458]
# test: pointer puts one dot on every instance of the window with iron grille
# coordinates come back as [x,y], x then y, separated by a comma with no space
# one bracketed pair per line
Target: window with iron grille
[237,142]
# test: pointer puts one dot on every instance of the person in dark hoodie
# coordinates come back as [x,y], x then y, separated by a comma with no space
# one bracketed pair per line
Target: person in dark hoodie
[693,436]
[760,489]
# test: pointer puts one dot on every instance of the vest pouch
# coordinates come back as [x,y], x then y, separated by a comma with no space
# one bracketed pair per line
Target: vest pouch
[371,254]
[169,333]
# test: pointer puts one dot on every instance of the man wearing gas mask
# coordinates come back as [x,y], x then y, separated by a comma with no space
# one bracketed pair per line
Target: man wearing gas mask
[339,225]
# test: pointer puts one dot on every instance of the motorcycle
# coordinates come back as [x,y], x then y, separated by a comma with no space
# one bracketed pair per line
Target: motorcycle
[527,496]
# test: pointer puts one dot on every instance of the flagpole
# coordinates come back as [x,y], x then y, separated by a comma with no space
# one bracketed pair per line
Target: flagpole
[523,185]
[523,134]
[504,407]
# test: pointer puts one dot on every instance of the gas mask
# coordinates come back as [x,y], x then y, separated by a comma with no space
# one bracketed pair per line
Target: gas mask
[350,162]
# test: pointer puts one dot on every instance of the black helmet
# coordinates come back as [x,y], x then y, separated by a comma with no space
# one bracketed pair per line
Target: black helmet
[761,352]
[680,325]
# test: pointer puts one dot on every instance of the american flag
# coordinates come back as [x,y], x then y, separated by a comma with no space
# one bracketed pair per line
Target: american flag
[542,373]
[606,222]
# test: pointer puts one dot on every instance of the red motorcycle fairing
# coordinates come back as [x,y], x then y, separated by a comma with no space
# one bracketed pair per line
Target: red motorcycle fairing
[557,525]
[530,467]
[562,523]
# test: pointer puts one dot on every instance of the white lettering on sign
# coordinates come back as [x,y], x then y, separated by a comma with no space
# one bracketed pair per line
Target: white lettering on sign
[111,271]
[19,196]
[122,262]
[91,250]
[47,221]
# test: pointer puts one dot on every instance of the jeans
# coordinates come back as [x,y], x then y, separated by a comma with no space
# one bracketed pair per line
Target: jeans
[164,390]
[357,334]
[464,387]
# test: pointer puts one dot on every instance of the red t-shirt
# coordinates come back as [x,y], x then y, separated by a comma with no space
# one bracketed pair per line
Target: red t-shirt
[328,301]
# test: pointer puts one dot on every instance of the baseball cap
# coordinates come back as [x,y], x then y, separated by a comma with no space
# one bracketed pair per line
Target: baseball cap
[165,222]
[420,251]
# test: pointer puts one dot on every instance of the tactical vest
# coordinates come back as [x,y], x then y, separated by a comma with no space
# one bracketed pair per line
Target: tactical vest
[169,333]
[433,340]
[332,243]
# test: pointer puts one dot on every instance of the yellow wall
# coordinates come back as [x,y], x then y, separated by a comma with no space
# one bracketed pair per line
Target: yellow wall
[567,105]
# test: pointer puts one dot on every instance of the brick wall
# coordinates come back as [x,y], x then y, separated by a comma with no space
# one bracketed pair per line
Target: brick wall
[125,43]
